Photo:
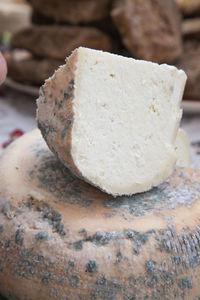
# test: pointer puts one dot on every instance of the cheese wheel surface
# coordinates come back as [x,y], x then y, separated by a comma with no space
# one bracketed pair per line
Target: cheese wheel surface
[61,238]
[113,120]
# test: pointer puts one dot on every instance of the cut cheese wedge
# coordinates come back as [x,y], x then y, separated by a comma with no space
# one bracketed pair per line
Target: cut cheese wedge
[183,149]
[62,238]
[113,120]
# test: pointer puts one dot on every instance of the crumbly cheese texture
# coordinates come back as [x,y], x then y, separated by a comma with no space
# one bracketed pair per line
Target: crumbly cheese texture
[124,120]
[183,151]
[126,115]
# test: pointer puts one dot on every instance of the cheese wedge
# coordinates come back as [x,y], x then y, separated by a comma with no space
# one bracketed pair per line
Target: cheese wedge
[113,120]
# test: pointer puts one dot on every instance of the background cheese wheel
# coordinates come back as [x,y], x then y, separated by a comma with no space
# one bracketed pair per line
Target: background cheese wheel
[183,150]
[61,238]
[14,16]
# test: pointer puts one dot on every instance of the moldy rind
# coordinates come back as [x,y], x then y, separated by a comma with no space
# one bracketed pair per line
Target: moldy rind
[48,250]
[55,178]
[55,111]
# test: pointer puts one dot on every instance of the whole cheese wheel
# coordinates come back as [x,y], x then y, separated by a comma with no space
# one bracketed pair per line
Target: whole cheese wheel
[14,17]
[61,238]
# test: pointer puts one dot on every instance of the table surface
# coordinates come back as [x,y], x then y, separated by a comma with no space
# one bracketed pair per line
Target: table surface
[17,111]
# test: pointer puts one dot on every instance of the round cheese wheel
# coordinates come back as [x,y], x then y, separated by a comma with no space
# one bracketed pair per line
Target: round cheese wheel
[183,151]
[14,16]
[61,238]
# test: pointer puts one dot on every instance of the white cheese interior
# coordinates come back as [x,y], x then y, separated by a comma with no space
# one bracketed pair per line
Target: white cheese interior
[126,116]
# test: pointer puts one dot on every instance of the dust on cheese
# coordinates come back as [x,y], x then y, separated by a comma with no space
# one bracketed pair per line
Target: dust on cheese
[113,120]
[183,149]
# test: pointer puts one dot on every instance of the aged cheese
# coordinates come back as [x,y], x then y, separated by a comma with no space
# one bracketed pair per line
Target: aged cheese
[182,145]
[150,29]
[190,63]
[191,27]
[71,11]
[113,120]
[61,238]
[189,7]
[32,70]
[13,16]
[56,41]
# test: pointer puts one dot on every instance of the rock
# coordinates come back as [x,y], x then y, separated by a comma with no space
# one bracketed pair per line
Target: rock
[150,30]
[59,41]
[33,71]
[189,7]
[72,11]
[190,63]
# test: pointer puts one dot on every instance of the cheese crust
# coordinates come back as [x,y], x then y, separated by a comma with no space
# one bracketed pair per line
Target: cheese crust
[61,238]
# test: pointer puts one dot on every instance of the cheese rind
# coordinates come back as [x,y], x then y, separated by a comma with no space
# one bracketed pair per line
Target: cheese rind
[113,120]
[62,237]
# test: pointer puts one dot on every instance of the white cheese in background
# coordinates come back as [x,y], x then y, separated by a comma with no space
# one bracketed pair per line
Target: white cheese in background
[183,149]
[14,16]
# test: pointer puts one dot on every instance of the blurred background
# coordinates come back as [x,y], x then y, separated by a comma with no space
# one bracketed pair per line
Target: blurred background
[37,35]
